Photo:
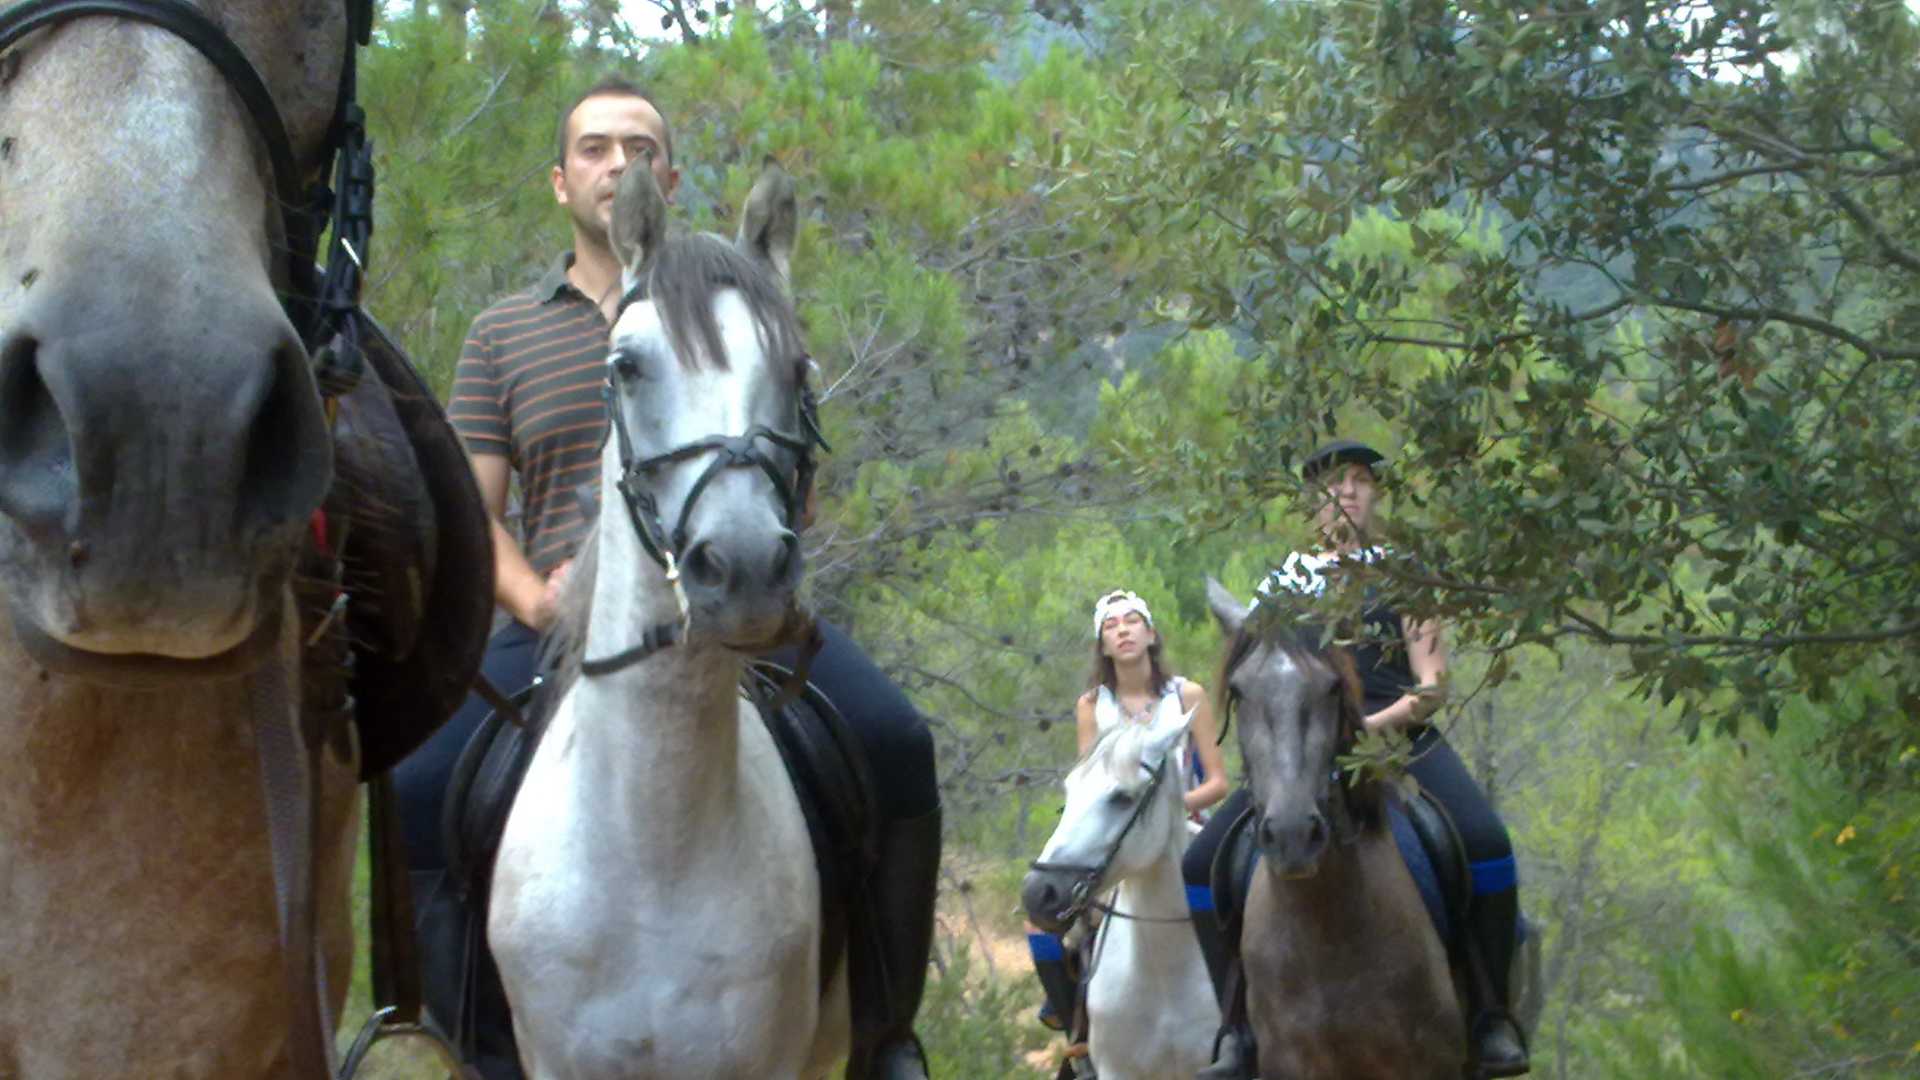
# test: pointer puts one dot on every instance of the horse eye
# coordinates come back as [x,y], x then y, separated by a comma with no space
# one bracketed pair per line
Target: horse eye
[625,366]
[1121,798]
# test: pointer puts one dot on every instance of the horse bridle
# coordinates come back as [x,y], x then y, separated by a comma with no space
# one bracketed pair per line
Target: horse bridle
[319,305]
[729,452]
[1090,876]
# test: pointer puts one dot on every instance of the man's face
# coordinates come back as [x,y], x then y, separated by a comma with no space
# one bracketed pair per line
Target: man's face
[605,134]
[1349,496]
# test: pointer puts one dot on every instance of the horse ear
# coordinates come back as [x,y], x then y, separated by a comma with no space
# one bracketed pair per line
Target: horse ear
[1227,609]
[770,220]
[1167,735]
[639,221]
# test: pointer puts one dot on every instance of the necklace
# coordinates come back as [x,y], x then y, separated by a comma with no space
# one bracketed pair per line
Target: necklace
[1141,715]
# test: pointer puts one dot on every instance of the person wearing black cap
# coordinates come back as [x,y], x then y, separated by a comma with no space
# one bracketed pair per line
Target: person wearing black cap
[1402,667]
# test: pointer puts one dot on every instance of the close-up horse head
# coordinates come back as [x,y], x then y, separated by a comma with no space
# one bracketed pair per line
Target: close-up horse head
[1297,714]
[162,443]
[1123,805]
[706,378]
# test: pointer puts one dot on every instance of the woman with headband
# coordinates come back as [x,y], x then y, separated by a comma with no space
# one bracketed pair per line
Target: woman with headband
[1130,684]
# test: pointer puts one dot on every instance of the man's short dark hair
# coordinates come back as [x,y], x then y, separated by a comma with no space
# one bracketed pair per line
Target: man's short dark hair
[611,86]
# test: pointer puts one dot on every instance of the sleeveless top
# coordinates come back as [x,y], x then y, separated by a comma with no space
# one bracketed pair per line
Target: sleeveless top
[1107,716]
[1380,656]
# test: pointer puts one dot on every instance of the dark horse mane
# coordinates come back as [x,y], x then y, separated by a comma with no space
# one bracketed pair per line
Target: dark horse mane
[681,278]
[1365,793]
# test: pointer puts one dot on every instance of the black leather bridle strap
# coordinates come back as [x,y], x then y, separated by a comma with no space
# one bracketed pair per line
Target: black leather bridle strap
[652,640]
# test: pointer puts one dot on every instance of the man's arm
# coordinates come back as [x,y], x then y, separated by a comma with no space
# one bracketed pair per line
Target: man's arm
[517,586]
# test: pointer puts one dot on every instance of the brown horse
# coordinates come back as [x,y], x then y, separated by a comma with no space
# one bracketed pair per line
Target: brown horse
[162,447]
[1346,978]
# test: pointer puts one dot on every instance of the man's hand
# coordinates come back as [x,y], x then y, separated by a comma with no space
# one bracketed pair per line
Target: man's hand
[547,608]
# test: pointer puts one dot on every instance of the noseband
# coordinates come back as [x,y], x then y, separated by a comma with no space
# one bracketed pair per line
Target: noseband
[729,452]
[318,306]
[1089,877]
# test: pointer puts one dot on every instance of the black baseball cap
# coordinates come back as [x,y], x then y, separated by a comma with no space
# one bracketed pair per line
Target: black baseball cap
[1339,452]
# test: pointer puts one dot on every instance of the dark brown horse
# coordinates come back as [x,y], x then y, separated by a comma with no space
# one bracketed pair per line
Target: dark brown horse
[1346,977]
[162,447]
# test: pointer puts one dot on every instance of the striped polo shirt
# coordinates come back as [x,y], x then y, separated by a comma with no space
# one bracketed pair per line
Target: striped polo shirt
[528,388]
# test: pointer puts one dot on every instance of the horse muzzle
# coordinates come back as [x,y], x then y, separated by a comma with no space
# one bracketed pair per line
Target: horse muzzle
[1053,899]
[1292,846]
[154,474]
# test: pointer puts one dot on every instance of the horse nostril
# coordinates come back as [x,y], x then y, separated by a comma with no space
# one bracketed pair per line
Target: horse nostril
[1269,833]
[1317,831]
[705,566]
[281,447]
[38,484]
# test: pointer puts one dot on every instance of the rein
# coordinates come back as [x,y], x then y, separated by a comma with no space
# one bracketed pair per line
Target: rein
[1082,896]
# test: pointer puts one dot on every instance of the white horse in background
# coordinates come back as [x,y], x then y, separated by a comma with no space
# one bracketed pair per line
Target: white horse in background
[656,909]
[1151,1012]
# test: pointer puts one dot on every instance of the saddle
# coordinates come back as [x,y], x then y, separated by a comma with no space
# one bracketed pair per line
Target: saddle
[823,759]
[1428,843]
[406,523]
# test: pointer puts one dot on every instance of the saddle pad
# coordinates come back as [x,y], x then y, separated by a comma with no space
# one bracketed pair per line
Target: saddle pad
[1425,877]
[418,551]
[1445,850]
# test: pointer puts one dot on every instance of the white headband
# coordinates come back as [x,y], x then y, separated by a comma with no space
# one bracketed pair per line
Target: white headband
[1117,603]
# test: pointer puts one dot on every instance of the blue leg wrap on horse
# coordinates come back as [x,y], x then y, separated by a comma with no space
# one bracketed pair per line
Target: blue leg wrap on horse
[1495,876]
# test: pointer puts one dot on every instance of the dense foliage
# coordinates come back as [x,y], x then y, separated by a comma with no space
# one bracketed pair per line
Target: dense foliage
[1627,290]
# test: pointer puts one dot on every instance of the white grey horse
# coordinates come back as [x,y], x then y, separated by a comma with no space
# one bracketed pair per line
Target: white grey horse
[656,909]
[1151,1012]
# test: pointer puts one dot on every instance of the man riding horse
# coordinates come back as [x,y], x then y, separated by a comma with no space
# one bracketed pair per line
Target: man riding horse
[527,400]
